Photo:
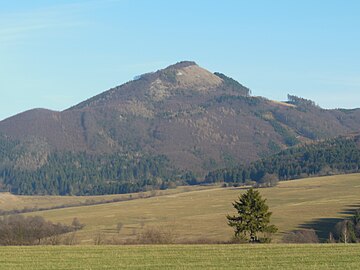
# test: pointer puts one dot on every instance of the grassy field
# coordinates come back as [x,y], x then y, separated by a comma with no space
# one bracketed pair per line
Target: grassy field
[11,202]
[182,257]
[200,214]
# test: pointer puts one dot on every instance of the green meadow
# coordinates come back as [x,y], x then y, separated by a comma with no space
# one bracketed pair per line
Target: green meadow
[267,256]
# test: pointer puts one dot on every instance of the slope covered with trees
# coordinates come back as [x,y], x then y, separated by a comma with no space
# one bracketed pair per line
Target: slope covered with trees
[182,120]
[84,174]
[334,156]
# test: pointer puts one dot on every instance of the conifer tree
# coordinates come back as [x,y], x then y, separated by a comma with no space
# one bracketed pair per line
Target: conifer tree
[252,218]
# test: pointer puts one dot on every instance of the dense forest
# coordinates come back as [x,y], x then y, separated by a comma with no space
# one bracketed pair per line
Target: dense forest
[67,173]
[341,155]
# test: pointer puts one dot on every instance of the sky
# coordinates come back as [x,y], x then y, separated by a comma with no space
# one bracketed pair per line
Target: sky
[54,54]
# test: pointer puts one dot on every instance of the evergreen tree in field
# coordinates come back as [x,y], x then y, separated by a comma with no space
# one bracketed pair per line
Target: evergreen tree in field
[252,218]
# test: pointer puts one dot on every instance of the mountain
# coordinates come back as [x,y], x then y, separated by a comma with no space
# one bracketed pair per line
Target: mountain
[184,120]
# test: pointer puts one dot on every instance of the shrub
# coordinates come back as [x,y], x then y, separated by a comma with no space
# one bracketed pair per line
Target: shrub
[20,230]
[77,225]
[301,236]
[71,239]
[99,238]
[156,235]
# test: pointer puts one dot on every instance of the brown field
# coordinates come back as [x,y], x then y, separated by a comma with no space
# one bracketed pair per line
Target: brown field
[196,215]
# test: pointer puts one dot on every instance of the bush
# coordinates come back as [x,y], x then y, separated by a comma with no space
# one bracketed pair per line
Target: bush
[268,180]
[301,236]
[238,239]
[71,239]
[20,230]
[345,231]
[77,225]
[156,235]
[99,238]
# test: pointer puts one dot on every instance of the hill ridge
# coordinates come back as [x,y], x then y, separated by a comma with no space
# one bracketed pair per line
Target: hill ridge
[183,116]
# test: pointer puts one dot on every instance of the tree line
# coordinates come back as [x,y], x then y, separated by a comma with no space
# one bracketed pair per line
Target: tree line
[20,230]
[341,155]
[67,173]
[299,101]
[348,230]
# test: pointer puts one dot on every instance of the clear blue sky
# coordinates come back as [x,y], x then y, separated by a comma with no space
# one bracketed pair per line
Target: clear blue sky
[54,54]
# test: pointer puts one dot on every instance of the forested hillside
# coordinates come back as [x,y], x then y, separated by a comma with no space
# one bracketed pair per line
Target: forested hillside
[85,174]
[161,129]
[334,156]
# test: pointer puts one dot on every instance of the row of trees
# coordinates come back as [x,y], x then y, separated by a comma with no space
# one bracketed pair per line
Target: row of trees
[84,174]
[67,173]
[348,230]
[231,84]
[299,101]
[336,156]
[20,230]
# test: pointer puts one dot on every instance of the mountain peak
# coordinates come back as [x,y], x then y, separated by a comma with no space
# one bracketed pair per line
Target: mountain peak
[184,78]
[186,75]
[182,64]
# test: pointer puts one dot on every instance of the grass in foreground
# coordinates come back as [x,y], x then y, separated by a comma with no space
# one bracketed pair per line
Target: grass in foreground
[182,257]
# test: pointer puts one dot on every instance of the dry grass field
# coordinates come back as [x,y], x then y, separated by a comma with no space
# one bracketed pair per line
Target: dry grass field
[197,215]
[11,202]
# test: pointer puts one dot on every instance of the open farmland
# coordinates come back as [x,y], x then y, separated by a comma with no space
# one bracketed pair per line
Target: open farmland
[182,257]
[9,202]
[200,214]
